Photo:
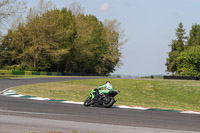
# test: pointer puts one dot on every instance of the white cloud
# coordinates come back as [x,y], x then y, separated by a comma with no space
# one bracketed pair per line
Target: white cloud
[104,6]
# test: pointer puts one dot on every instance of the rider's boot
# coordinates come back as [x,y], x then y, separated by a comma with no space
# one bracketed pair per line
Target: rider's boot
[94,100]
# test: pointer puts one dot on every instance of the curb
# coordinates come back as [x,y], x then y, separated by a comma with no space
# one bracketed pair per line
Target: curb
[12,93]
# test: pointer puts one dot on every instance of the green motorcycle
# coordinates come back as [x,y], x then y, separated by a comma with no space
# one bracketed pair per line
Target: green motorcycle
[101,100]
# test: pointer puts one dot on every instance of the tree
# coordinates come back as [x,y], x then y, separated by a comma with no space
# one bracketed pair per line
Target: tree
[89,45]
[53,37]
[42,42]
[64,41]
[10,9]
[189,62]
[177,46]
[40,9]
[115,40]
[76,8]
[194,36]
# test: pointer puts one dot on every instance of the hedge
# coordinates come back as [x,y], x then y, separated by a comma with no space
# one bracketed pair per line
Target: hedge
[14,72]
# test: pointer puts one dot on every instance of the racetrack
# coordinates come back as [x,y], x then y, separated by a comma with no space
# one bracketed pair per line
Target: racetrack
[22,115]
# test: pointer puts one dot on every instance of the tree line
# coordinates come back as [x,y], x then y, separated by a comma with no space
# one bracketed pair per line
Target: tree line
[184,57]
[62,40]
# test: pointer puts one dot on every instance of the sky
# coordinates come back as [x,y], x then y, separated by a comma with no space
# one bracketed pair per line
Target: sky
[149,27]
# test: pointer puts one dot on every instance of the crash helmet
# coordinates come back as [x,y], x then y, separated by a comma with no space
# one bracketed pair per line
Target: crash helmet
[107,82]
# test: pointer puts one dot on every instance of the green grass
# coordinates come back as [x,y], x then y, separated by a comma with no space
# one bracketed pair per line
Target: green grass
[73,131]
[165,94]
[23,76]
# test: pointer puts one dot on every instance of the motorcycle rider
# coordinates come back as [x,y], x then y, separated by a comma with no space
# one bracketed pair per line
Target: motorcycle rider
[108,87]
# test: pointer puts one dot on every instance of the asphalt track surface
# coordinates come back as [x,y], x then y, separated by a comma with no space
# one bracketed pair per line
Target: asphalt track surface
[20,115]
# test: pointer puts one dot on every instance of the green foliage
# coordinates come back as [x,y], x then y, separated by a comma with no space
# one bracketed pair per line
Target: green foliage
[194,37]
[177,47]
[184,57]
[41,42]
[58,40]
[89,45]
[189,62]
[172,61]
[14,67]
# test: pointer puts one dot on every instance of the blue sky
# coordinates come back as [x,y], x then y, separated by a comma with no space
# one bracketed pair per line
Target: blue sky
[149,27]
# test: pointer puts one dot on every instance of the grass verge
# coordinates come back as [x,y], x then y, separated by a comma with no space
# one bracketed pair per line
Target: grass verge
[165,94]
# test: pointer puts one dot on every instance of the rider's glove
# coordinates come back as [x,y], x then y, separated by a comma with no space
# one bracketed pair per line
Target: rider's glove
[95,89]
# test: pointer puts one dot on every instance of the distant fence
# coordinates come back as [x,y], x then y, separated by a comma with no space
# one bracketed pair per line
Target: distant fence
[182,77]
[14,72]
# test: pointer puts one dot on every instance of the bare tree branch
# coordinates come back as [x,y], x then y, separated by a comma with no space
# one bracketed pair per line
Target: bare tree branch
[10,9]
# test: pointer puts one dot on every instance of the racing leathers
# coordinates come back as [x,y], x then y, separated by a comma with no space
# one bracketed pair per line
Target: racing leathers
[108,87]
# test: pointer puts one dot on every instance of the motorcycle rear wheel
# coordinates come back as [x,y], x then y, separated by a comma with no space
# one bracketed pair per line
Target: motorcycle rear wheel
[110,103]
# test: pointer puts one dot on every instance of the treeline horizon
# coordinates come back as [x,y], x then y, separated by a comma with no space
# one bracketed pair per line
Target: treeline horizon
[184,57]
[62,40]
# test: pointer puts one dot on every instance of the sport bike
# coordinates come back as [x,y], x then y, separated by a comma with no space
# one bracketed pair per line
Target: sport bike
[101,100]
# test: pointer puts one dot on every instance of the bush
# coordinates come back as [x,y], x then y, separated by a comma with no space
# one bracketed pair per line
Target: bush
[14,67]
[189,62]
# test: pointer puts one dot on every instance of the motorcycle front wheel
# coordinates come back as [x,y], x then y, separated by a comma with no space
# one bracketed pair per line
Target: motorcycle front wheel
[87,102]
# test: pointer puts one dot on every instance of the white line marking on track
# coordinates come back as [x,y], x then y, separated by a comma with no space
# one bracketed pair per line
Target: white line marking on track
[190,112]
[39,98]
[127,107]
[72,102]
[8,92]
[16,95]
[21,112]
